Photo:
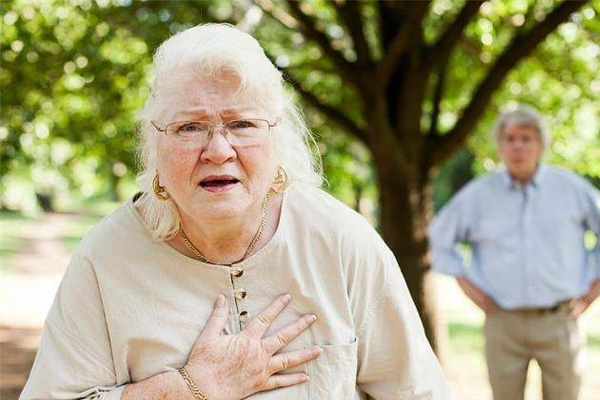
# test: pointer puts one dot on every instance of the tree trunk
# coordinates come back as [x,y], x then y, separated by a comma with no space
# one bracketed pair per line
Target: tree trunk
[358,193]
[45,201]
[406,210]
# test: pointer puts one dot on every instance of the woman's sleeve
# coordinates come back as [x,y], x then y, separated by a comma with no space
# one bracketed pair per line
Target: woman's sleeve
[74,360]
[395,360]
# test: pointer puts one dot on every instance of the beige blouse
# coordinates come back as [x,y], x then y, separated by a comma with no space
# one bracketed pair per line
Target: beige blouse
[129,308]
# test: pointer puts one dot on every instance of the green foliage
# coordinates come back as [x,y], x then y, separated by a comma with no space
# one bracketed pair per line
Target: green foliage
[561,79]
[75,72]
[456,173]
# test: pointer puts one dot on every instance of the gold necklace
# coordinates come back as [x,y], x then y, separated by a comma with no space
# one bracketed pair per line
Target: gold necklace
[198,254]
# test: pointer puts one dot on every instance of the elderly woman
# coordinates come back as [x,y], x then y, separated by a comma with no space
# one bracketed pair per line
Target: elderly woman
[310,303]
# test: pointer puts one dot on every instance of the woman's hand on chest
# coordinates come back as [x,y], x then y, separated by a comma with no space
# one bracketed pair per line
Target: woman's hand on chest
[231,367]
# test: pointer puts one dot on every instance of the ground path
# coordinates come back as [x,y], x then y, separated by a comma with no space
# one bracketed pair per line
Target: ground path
[27,287]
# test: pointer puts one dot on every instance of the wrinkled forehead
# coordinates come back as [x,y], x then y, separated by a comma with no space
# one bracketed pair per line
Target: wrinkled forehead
[207,97]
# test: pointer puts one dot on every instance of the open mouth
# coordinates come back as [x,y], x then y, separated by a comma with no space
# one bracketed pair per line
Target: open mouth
[219,183]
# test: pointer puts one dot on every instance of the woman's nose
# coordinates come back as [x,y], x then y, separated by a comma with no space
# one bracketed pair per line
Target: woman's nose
[217,149]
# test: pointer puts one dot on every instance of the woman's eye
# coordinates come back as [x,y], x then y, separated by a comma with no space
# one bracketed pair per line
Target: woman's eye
[192,128]
[241,125]
[189,128]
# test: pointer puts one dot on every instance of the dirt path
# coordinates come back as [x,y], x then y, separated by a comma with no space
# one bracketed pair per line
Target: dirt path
[26,293]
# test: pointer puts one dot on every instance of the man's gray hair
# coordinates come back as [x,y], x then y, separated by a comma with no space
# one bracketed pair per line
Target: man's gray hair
[523,115]
[214,51]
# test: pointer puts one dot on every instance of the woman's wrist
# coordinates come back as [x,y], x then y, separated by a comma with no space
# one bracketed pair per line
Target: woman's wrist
[206,382]
[165,386]
[195,390]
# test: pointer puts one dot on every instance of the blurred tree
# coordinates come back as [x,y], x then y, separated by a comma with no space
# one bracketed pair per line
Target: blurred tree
[410,81]
[73,75]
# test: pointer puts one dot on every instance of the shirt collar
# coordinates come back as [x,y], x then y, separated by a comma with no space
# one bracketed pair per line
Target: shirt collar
[536,181]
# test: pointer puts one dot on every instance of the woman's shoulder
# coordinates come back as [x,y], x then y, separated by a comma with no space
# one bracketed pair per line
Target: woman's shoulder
[346,235]
[318,212]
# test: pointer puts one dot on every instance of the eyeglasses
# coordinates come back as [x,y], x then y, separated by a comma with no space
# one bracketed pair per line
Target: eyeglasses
[239,132]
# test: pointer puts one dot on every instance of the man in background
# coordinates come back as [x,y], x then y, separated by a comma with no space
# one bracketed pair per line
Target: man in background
[530,271]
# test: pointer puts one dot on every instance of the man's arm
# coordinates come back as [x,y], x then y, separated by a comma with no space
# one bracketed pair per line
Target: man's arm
[591,204]
[578,306]
[447,230]
[477,296]
[450,228]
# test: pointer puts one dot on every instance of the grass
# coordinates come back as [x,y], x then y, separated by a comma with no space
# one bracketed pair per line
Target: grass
[11,227]
[14,225]
[90,214]
[466,338]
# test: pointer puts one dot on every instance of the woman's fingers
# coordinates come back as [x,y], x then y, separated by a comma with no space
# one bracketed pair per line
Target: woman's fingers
[277,341]
[282,380]
[218,318]
[259,325]
[283,361]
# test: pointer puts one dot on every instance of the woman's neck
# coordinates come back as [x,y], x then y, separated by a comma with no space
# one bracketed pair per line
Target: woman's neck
[227,241]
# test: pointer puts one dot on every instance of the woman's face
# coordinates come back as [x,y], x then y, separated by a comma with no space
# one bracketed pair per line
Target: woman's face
[214,181]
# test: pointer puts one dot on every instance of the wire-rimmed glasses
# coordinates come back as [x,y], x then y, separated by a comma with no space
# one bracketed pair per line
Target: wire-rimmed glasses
[239,132]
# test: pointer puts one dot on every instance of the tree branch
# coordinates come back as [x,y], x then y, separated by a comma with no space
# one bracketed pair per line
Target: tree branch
[397,49]
[333,113]
[350,13]
[440,148]
[392,18]
[285,19]
[408,34]
[437,100]
[329,111]
[446,42]
[310,30]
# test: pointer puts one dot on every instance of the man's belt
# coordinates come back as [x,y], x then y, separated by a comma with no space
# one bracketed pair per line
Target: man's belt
[537,311]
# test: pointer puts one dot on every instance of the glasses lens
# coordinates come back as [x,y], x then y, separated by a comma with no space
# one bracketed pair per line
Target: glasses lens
[188,129]
[247,131]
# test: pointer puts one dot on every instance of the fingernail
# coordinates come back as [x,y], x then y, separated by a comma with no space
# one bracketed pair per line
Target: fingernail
[317,350]
[287,297]
[220,300]
[313,318]
[306,378]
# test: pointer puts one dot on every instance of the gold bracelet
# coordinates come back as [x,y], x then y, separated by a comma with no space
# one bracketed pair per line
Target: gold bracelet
[195,391]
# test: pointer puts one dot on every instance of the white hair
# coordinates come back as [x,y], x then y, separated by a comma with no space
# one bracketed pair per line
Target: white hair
[217,51]
[523,115]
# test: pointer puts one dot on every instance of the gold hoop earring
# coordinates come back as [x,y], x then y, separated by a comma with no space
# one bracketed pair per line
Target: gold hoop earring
[159,191]
[281,181]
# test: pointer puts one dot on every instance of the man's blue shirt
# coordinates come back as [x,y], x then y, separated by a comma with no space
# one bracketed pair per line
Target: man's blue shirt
[527,242]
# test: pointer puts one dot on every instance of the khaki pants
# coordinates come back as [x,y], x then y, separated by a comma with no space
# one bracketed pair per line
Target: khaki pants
[513,338]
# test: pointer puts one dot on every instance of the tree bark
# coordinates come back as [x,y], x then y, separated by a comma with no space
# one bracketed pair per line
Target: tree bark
[406,209]
[45,201]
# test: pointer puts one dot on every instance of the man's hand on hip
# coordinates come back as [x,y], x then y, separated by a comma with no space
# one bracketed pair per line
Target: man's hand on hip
[481,300]
[578,306]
